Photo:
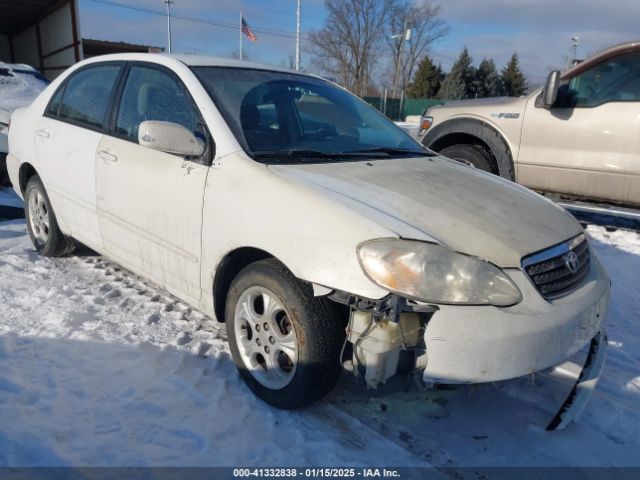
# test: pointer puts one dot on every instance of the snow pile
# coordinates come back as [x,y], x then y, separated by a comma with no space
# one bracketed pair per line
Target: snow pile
[100,368]
[411,128]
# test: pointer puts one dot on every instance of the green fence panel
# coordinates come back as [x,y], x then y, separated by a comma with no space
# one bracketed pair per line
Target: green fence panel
[410,106]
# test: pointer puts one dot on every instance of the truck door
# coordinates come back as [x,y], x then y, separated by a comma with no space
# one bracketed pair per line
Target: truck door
[588,143]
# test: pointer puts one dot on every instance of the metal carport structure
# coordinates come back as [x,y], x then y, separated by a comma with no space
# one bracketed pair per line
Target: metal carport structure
[41,33]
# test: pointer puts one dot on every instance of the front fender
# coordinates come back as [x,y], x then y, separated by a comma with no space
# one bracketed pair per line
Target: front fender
[246,205]
[450,131]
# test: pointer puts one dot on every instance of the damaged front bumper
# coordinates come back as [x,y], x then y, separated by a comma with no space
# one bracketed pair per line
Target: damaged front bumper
[581,392]
[485,344]
[491,344]
[476,344]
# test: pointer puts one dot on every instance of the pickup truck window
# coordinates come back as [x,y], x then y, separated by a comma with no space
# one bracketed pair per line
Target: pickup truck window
[614,80]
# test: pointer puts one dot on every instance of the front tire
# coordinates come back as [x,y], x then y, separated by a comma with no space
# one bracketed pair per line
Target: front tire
[285,342]
[474,154]
[41,221]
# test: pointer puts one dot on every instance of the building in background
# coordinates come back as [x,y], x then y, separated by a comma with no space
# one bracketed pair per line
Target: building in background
[42,33]
[46,35]
[93,48]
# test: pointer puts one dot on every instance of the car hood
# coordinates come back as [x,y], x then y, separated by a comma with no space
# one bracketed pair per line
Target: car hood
[433,198]
[490,101]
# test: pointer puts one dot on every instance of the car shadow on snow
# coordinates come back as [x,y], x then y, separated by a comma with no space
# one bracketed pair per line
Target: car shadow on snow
[77,401]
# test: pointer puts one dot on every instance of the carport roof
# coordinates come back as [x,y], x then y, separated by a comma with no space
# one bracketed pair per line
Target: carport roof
[16,14]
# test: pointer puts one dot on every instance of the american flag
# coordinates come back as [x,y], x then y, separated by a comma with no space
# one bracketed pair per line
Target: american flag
[247,31]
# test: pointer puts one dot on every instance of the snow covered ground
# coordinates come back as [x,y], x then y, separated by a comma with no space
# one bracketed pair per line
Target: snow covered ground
[410,127]
[100,368]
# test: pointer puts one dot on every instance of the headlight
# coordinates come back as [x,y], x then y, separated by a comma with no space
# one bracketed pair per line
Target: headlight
[433,273]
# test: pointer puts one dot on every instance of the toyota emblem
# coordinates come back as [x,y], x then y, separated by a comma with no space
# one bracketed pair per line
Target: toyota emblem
[572,262]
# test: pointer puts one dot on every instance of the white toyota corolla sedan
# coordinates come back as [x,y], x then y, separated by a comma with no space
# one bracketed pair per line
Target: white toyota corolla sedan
[322,234]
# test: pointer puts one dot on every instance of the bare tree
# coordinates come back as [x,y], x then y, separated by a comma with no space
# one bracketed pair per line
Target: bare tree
[423,19]
[347,46]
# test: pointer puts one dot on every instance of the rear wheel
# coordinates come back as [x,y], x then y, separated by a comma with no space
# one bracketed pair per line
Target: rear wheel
[474,154]
[284,341]
[41,221]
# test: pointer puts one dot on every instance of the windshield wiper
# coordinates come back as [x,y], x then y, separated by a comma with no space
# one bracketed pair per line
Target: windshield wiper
[393,151]
[306,153]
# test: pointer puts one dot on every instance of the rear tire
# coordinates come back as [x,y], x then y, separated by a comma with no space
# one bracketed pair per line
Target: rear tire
[475,154]
[285,342]
[41,221]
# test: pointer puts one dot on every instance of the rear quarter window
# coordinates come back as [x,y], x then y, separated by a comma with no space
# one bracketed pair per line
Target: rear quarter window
[87,94]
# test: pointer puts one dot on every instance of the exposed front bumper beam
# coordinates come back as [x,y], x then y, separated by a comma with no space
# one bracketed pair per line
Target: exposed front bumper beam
[581,392]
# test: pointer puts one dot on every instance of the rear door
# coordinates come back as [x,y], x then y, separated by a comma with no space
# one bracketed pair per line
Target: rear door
[66,139]
[150,202]
[588,144]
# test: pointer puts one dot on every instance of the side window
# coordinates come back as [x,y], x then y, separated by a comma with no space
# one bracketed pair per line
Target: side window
[54,104]
[86,97]
[150,94]
[614,80]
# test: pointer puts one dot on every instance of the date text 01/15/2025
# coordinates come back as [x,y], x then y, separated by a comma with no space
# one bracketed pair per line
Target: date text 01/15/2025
[315,472]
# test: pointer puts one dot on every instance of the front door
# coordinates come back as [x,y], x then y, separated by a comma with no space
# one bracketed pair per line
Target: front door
[588,144]
[150,202]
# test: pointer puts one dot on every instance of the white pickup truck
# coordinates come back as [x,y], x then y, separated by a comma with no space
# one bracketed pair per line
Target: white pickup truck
[579,135]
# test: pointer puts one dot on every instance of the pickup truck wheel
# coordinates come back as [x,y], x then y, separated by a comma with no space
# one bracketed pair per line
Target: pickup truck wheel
[41,221]
[284,341]
[475,154]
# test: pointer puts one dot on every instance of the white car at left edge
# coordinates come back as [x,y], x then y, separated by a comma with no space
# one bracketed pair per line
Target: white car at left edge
[19,85]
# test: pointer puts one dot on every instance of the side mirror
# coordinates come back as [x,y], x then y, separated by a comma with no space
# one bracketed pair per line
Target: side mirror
[550,90]
[169,137]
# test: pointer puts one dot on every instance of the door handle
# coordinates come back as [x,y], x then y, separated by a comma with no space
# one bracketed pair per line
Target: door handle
[43,133]
[107,156]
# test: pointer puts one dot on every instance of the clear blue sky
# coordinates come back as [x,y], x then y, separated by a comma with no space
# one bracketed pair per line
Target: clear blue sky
[539,31]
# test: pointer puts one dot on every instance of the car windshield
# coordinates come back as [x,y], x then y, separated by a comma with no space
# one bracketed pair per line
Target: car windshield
[18,88]
[286,117]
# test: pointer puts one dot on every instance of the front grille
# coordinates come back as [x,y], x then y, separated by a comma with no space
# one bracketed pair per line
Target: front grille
[559,270]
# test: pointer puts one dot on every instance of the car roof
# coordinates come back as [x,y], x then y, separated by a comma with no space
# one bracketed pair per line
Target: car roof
[186,59]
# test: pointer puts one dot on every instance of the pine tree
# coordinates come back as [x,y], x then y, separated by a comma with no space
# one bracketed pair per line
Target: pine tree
[487,81]
[426,81]
[458,84]
[514,81]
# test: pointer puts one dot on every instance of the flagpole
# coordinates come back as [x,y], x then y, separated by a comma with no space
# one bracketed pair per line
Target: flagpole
[168,3]
[240,34]
[298,36]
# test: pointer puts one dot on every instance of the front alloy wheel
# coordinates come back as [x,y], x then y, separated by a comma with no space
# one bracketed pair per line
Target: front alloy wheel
[285,342]
[266,338]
